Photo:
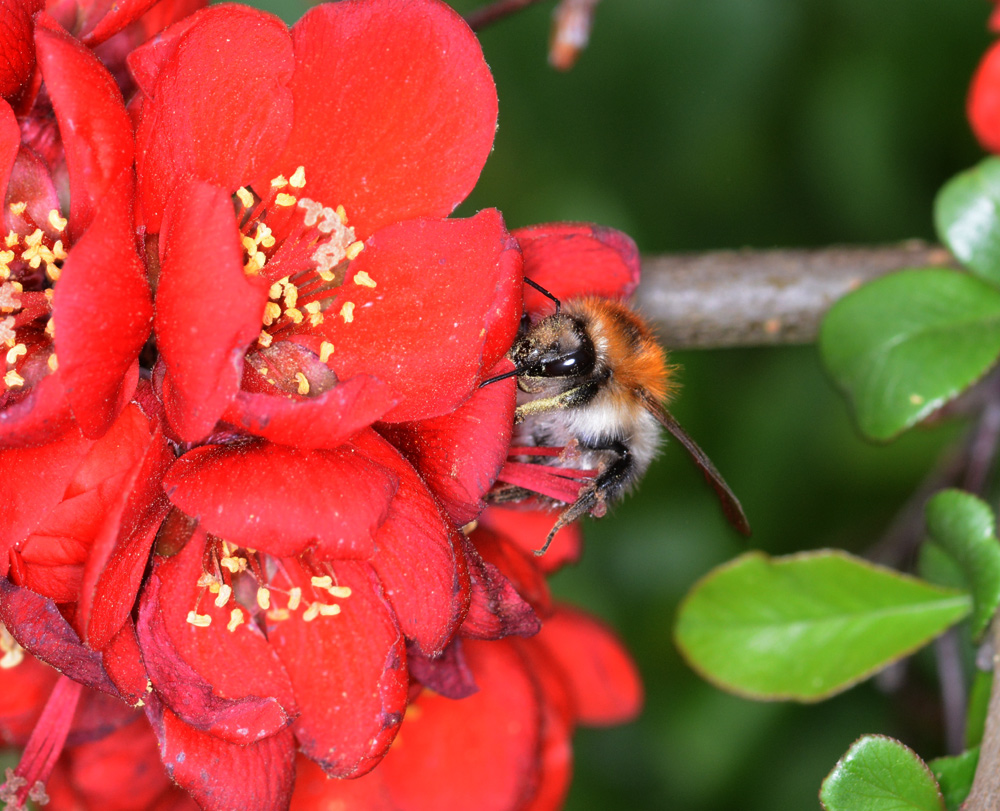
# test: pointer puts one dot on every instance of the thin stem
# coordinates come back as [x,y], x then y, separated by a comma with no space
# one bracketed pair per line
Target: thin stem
[954,696]
[985,793]
[494,12]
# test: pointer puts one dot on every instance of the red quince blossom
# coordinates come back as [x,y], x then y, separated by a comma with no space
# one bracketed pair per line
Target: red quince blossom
[983,104]
[74,301]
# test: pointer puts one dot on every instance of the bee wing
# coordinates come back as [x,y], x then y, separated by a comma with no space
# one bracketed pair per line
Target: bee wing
[730,504]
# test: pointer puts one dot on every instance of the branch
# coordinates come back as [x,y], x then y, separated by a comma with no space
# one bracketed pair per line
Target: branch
[985,793]
[494,12]
[761,297]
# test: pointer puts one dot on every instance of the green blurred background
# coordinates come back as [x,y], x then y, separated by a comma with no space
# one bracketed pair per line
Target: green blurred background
[707,124]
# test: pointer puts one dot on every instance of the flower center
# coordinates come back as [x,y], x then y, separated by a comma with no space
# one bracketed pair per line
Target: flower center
[303,249]
[256,586]
[31,257]
[13,653]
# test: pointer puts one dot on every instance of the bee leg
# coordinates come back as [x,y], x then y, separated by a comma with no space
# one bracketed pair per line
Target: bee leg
[568,399]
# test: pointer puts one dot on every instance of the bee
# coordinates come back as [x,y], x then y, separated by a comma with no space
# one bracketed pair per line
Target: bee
[592,380]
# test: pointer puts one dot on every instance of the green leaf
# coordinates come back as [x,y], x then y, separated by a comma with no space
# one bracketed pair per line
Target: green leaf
[880,774]
[965,528]
[907,343]
[954,776]
[967,216]
[809,625]
[979,702]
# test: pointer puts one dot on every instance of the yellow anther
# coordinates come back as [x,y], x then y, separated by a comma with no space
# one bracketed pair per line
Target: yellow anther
[249,245]
[8,336]
[34,238]
[342,213]
[278,614]
[199,620]
[15,352]
[233,565]
[263,598]
[311,612]
[50,328]
[363,279]
[298,178]
[52,363]
[265,339]
[302,380]
[313,307]
[291,297]
[347,311]
[340,592]
[325,350]
[6,257]
[9,301]
[295,315]
[285,200]
[323,582]
[254,264]
[294,598]
[330,610]
[58,251]
[245,196]
[272,312]
[12,238]
[275,290]
[57,222]
[53,271]
[206,581]
[236,619]
[17,209]
[279,182]
[215,586]
[13,653]
[326,275]
[315,319]
[354,249]
[225,592]
[229,549]
[13,380]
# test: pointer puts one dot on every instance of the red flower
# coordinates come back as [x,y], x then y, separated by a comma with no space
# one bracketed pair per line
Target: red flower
[62,362]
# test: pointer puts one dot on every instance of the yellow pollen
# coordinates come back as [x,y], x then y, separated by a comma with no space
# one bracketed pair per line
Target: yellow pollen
[233,565]
[354,249]
[214,586]
[249,245]
[263,598]
[278,614]
[295,315]
[285,200]
[199,620]
[363,279]
[236,619]
[57,222]
[50,328]
[13,653]
[13,380]
[11,239]
[326,275]
[279,182]
[52,363]
[58,251]
[298,178]
[272,312]
[323,582]
[342,213]
[225,592]
[52,271]
[265,340]
[303,382]
[325,350]
[34,238]
[311,612]
[254,264]
[15,352]
[315,319]
[347,311]
[7,335]
[274,291]
[294,598]
[340,592]
[291,297]
[17,209]
[245,197]
[6,257]
[329,610]
[313,307]
[206,581]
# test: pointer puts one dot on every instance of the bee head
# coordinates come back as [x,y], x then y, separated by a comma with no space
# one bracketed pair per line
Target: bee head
[556,347]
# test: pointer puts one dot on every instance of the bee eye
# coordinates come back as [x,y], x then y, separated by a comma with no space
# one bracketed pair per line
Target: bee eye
[578,362]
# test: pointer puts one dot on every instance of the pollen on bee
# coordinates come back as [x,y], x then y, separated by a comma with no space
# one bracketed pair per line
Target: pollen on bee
[245,197]
[303,383]
[298,178]
[57,222]
[347,312]
[263,598]
[325,350]
[354,249]
[236,619]
[362,279]
[285,200]
[225,592]
[199,620]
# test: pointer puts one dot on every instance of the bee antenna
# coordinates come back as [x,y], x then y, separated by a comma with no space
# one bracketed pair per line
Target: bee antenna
[544,292]
[504,376]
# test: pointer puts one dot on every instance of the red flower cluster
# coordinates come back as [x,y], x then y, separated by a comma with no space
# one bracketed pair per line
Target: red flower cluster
[984,94]
[241,440]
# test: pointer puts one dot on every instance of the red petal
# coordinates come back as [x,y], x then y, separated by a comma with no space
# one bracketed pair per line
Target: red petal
[448,674]
[459,454]
[325,421]
[418,557]
[228,683]
[480,752]
[37,625]
[576,259]
[121,14]
[25,689]
[496,610]
[18,60]
[222,776]
[395,109]
[314,791]
[42,416]
[123,662]
[421,329]
[204,320]
[528,528]
[984,100]
[282,500]
[97,355]
[349,673]
[220,109]
[10,135]
[599,674]
[95,129]
[517,565]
